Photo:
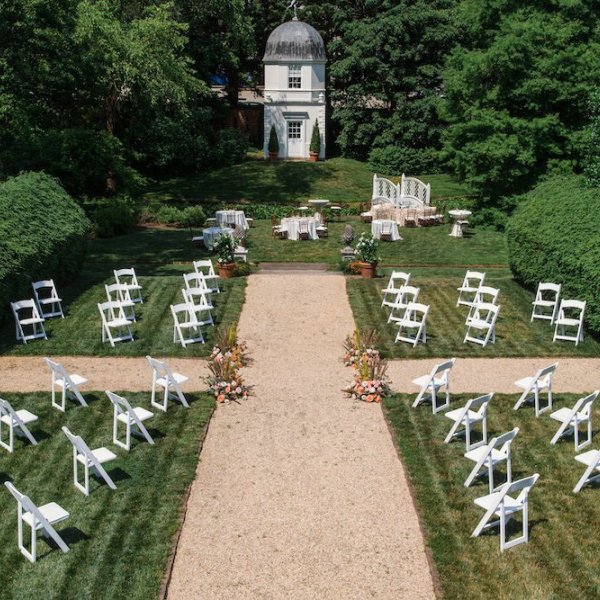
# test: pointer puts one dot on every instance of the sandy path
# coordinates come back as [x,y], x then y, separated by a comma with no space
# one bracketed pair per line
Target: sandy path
[299,492]
[576,375]
[30,373]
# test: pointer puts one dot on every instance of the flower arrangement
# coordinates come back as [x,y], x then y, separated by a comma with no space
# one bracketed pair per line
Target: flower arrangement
[370,383]
[367,248]
[224,363]
[360,345]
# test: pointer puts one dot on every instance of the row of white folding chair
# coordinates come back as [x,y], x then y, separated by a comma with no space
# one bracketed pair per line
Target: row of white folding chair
[206,268]
[397,280]
[43,518]
[486,455]
[128,278]
[472,281]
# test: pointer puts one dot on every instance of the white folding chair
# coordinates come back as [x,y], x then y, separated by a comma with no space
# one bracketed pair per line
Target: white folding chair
[27,316]
[465,419]
[471,283]
[404,296]
[591,460]
[163,377]
[570,420]
[17,421]
[47,300]
[197,298]
[119,292]
[570,317]
[91,460]
[397,280]
[128,277]
[114,318]
[545,305]
[481,329]
[198,280]
[432,384]
[491,454]
[186,327]
[68,383]
[133,418]
[484,295]
[412,327]
[208,270]
[503,506]
[533,386]
[41,518]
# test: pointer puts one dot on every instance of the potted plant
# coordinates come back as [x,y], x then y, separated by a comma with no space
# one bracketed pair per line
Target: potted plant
[315,144]
[225,247]
[273,144]
[366,253]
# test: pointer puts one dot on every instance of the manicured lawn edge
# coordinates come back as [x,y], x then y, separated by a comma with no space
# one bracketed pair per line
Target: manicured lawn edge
[164,586]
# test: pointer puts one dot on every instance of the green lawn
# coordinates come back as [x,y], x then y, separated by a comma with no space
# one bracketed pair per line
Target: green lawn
[80,332]
[515,334]
[120,540]
[257,181]
[560,560]
[420,246]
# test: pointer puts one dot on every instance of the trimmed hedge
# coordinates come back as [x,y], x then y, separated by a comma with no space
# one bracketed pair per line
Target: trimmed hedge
[554,236]
[43,235]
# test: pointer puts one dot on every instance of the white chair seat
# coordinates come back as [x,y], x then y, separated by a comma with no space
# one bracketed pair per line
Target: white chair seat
[178,377]
[102,455]
[588,458]
[489,501]
[425,379]
[563,321]
[410,323]
[454,415]
[52,512]
[49,300]
[119,323]
[77,380]
[31,321]
[480,324]
[141,413]
[563,415]
[477,453]
[525,383]
[24,415]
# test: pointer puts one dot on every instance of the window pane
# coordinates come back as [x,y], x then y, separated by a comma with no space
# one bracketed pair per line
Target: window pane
[295,76]
[294,130]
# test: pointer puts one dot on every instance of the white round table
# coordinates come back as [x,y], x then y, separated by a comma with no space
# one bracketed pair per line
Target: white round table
[458,215]
[231,217]
[378,226]
[210,235]
[292,226]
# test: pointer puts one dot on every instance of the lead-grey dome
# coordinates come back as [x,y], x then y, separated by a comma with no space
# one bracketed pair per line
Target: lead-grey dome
[295,41]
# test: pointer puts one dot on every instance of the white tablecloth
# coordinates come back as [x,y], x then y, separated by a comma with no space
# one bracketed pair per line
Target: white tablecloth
[231,217]
[292,226]
[212,233]
[377,228]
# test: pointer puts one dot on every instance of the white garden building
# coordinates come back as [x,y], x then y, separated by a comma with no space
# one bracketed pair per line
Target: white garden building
[294,88]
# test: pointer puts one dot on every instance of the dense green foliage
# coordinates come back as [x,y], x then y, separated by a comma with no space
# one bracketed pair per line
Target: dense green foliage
[114,216]
[42,235]
[386,73]
[120,540]
[273,141]
[592,164]
[315,139]
[555,236]
[517,89]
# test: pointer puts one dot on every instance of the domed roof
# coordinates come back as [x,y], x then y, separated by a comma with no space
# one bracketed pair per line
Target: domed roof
[295,41]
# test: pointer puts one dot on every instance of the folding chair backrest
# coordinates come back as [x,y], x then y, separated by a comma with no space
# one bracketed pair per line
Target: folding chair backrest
[398,279]
[111,310]
[58,371]
[486,295]
[584,405]
[486,312]
[78,443]
[443,368]
[554,288]
[161,369]
[195,280]
[25,305]
[45,284]
[123,275]
[117,292]
[503,442]
[407,294]
[479,404]
[415,310]
[196,297]
[473,279]
[545,373]
[566,306]
[121,404]
[184,308]
[523,486]
[204,266]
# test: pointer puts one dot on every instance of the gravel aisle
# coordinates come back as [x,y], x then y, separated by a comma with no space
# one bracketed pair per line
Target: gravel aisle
[299,492]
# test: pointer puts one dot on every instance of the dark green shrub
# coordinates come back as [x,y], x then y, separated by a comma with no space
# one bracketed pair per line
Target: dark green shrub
[555,236]
[315,140]
[43,235]
[400,159]
[113,216]
[273,141]
[166,214]
[231,147]
[242,269]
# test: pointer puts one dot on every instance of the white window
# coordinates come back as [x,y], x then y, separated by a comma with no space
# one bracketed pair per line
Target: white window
[295,76]
[294,130]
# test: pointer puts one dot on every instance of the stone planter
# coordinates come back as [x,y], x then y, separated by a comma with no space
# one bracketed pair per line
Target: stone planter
[273,155]
[368,270]
[226,270]
[313,156]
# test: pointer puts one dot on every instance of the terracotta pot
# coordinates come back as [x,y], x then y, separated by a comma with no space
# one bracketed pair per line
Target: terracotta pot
[226,270]
[313,156]
[273,155]
[368,270]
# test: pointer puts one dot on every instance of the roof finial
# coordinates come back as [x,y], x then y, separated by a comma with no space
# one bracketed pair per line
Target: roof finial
[293,5]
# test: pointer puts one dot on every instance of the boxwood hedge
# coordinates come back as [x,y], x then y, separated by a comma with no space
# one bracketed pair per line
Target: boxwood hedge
[555,236]
[43,235]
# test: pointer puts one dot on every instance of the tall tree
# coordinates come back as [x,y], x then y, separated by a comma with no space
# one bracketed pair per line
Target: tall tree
[517,90]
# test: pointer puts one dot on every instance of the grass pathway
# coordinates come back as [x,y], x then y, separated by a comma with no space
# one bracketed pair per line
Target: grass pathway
[299,492]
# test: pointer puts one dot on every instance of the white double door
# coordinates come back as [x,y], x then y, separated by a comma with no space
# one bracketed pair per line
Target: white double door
[295,138]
